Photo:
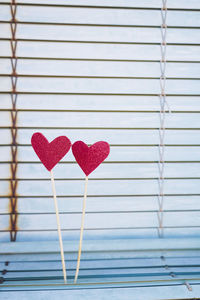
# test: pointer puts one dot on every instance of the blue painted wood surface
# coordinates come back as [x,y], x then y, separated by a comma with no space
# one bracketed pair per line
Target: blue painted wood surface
[124,268]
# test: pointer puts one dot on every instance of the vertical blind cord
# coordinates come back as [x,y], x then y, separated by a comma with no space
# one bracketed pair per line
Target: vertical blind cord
[162,117]
[14,119]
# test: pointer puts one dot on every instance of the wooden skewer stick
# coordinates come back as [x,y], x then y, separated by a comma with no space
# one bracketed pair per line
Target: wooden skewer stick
[81,233]
[58,227]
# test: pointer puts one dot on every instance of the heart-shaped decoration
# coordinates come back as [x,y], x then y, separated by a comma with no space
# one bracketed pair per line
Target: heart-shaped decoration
[50,153]
[89,158]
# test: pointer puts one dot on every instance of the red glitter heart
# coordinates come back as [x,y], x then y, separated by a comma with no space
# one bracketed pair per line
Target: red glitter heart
[89,158]
[50,153]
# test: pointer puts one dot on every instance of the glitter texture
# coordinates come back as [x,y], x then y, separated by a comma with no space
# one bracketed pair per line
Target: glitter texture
[89,158]
[50,153]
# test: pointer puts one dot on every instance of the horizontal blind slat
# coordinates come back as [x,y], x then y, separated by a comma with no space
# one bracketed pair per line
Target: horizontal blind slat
[133,137]
[176,5]
[101,34]
[107,86]
[108,171]
[123,154]
[104,204]
[99,51]
[113,103]
[74,188]
[99,68]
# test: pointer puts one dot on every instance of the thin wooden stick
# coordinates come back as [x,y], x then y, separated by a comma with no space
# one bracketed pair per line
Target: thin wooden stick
[81,233]
[58,226]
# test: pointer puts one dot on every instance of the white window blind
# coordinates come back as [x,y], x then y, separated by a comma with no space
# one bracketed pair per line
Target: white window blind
[126,72]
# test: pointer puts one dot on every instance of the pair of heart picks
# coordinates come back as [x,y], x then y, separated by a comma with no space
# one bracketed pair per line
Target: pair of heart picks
[88,158]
